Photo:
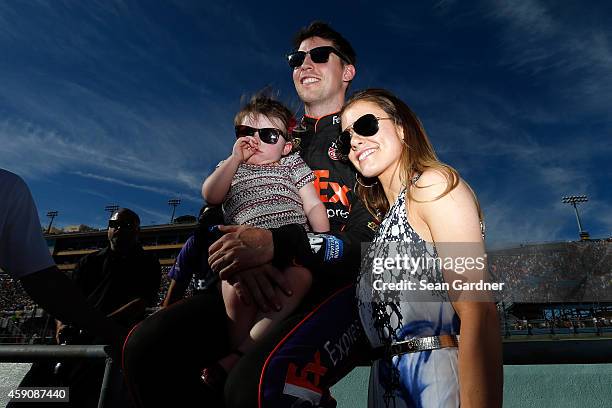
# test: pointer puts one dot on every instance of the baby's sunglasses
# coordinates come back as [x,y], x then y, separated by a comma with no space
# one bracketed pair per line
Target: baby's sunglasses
[318,55]
[367,125]
[266,135]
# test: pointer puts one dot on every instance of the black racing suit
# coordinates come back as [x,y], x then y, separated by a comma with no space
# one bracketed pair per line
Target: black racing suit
[302,356]
[332,257]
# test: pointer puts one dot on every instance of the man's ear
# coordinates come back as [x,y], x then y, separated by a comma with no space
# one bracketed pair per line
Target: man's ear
[287,148]
[348,73]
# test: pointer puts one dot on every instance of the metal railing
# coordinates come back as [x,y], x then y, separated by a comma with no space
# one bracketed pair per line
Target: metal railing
[27,353]
[566,351]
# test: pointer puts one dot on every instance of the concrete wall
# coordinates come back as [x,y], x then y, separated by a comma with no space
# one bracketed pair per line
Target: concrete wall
[533,386]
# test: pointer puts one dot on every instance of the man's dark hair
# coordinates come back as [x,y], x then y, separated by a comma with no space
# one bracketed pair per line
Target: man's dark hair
[323,30]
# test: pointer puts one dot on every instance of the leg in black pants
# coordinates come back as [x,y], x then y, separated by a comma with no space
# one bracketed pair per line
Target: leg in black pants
[163,356]
[302,357]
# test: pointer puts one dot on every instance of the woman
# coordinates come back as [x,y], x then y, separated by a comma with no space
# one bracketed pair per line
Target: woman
[427,213]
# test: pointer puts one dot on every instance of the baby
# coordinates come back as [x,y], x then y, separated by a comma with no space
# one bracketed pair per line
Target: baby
[262,184]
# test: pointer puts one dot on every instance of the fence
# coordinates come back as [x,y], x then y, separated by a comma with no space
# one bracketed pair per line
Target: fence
[33,353]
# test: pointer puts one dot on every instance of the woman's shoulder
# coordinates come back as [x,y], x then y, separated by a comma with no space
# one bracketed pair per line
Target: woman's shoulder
[447,205]
[432,176]
[440,188]
[433,182]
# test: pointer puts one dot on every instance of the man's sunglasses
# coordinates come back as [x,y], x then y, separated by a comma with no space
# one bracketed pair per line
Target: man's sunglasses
[266,135]
[115,224]
[367,125]
[318,55]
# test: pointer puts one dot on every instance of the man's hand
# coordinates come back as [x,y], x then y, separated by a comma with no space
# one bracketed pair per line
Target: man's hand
[242,247]
[261,284]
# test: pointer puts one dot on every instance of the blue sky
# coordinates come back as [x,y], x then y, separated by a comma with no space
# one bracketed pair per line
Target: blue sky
[132,102]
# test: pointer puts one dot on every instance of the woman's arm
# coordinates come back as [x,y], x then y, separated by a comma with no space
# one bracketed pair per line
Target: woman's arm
[454,226]
[314,208]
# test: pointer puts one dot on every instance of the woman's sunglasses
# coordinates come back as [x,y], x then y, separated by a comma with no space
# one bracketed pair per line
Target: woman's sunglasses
[367,125]
[266,135]
[318,55]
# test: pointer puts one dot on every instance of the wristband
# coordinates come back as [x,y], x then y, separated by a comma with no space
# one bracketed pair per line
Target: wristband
[291,246]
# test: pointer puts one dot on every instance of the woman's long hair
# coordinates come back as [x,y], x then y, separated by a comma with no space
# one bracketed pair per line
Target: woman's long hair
[417,153]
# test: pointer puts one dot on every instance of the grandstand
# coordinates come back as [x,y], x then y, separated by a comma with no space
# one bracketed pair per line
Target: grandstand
[163,241]
[553,289]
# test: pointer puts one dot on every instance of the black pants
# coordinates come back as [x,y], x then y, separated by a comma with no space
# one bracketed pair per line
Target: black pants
[296,363]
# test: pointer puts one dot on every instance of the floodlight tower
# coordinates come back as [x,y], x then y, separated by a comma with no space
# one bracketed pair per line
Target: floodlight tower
[111,209]
[51,214]
[175,202]
[573,200]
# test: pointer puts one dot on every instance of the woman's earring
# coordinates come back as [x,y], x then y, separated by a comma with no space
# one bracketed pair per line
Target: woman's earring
[364,185]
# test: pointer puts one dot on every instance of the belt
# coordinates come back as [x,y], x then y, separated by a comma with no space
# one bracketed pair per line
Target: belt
[417,344]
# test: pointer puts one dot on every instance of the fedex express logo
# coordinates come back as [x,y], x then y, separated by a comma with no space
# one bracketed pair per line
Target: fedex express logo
[331,192]
[305,384]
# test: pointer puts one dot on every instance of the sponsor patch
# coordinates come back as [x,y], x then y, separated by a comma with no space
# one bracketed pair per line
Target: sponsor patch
[332,152]
[333,246]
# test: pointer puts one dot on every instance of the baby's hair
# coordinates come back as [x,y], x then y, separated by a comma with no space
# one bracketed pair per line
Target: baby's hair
[265,104]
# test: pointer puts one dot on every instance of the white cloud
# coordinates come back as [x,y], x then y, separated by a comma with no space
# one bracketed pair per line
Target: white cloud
[153,189]
[553,46]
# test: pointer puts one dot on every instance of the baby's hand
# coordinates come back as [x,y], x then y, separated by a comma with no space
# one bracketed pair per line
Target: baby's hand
[245,147]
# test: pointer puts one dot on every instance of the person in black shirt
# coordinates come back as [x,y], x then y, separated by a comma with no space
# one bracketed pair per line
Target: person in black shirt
[120,281]
[314,347]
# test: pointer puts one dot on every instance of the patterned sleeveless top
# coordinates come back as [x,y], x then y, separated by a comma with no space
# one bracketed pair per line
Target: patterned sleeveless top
[423,379]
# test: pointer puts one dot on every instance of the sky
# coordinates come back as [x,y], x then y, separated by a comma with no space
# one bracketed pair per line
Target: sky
[131,103]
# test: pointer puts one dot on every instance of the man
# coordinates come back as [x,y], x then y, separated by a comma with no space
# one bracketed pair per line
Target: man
[24,254]
[120,281]
[299,360]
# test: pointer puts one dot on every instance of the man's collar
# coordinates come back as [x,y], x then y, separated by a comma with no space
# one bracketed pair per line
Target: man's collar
[332,119]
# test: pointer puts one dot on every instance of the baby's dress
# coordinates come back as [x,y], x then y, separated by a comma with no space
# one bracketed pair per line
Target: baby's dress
[268,195]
